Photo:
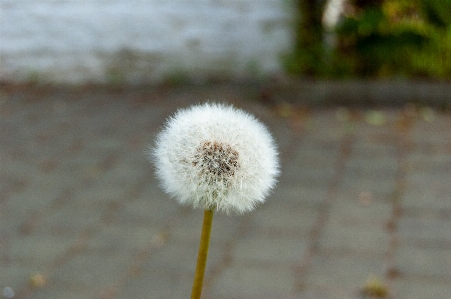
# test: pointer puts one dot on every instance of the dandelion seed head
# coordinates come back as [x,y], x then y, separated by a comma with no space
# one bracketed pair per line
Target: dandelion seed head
[214,156]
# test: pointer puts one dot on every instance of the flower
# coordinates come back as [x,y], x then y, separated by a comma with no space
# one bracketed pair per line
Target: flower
[216,157]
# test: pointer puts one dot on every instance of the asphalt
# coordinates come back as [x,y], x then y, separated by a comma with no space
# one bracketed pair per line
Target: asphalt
[362,208]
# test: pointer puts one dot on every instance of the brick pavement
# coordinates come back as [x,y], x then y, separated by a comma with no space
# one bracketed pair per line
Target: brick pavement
[363,203]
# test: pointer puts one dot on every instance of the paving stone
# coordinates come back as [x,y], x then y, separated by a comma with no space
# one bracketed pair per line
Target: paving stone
[101,194]
[188,228]
[347,273]
[431,262]
[122,238]
[158,284]
[224,228]
[178,256]
[31,200]
[263,249]
[55,293]
[82,166]
[18,168]
[313,161]
[311,164]
[38,249]
[307,196]
[72,218]
[313,180]
[317,148]
[431,197]
[429,230]
[327,292]
[431,133]
[436,178]
[383,148]
[53,182]
[124,172]
[246,282]
[364,209]
[354,238]
[149,210]
[380,185]
[92,270]
[432,157]
[372,167]
[285,218]
[418,289]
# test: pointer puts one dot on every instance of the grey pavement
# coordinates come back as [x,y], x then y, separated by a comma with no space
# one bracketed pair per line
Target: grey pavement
[362,208]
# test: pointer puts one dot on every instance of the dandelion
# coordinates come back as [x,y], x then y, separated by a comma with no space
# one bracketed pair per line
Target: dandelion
[217,158]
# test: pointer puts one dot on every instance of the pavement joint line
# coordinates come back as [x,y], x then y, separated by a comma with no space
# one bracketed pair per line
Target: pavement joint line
[403,149]
[333,185]
[227,257]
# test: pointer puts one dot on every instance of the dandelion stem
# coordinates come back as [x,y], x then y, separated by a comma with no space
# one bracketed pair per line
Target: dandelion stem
[202,254]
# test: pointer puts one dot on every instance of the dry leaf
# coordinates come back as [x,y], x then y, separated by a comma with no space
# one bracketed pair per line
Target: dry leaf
[374,287]
[375,118]
[427,114]
[38,280]
[160,239]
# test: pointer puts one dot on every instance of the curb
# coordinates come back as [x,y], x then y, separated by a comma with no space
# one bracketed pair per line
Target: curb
[361,93]
[299,92]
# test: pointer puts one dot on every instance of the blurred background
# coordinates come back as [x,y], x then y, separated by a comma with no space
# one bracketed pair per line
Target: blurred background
[373,38]
[140,42]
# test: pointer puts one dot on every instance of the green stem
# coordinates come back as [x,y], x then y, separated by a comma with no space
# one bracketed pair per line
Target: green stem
[202,255]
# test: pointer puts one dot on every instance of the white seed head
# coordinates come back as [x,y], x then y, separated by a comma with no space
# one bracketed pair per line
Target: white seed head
[214,156]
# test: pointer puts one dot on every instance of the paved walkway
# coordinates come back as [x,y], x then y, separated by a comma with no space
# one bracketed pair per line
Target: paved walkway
[363,206]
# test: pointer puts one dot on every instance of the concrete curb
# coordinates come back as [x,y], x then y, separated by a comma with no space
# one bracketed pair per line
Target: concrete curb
[353,93]
[362,93]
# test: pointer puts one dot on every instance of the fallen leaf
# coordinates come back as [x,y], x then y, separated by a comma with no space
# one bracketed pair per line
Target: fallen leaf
[374,287]
[38,280]
[160,239]
[427,114]
[375,118]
